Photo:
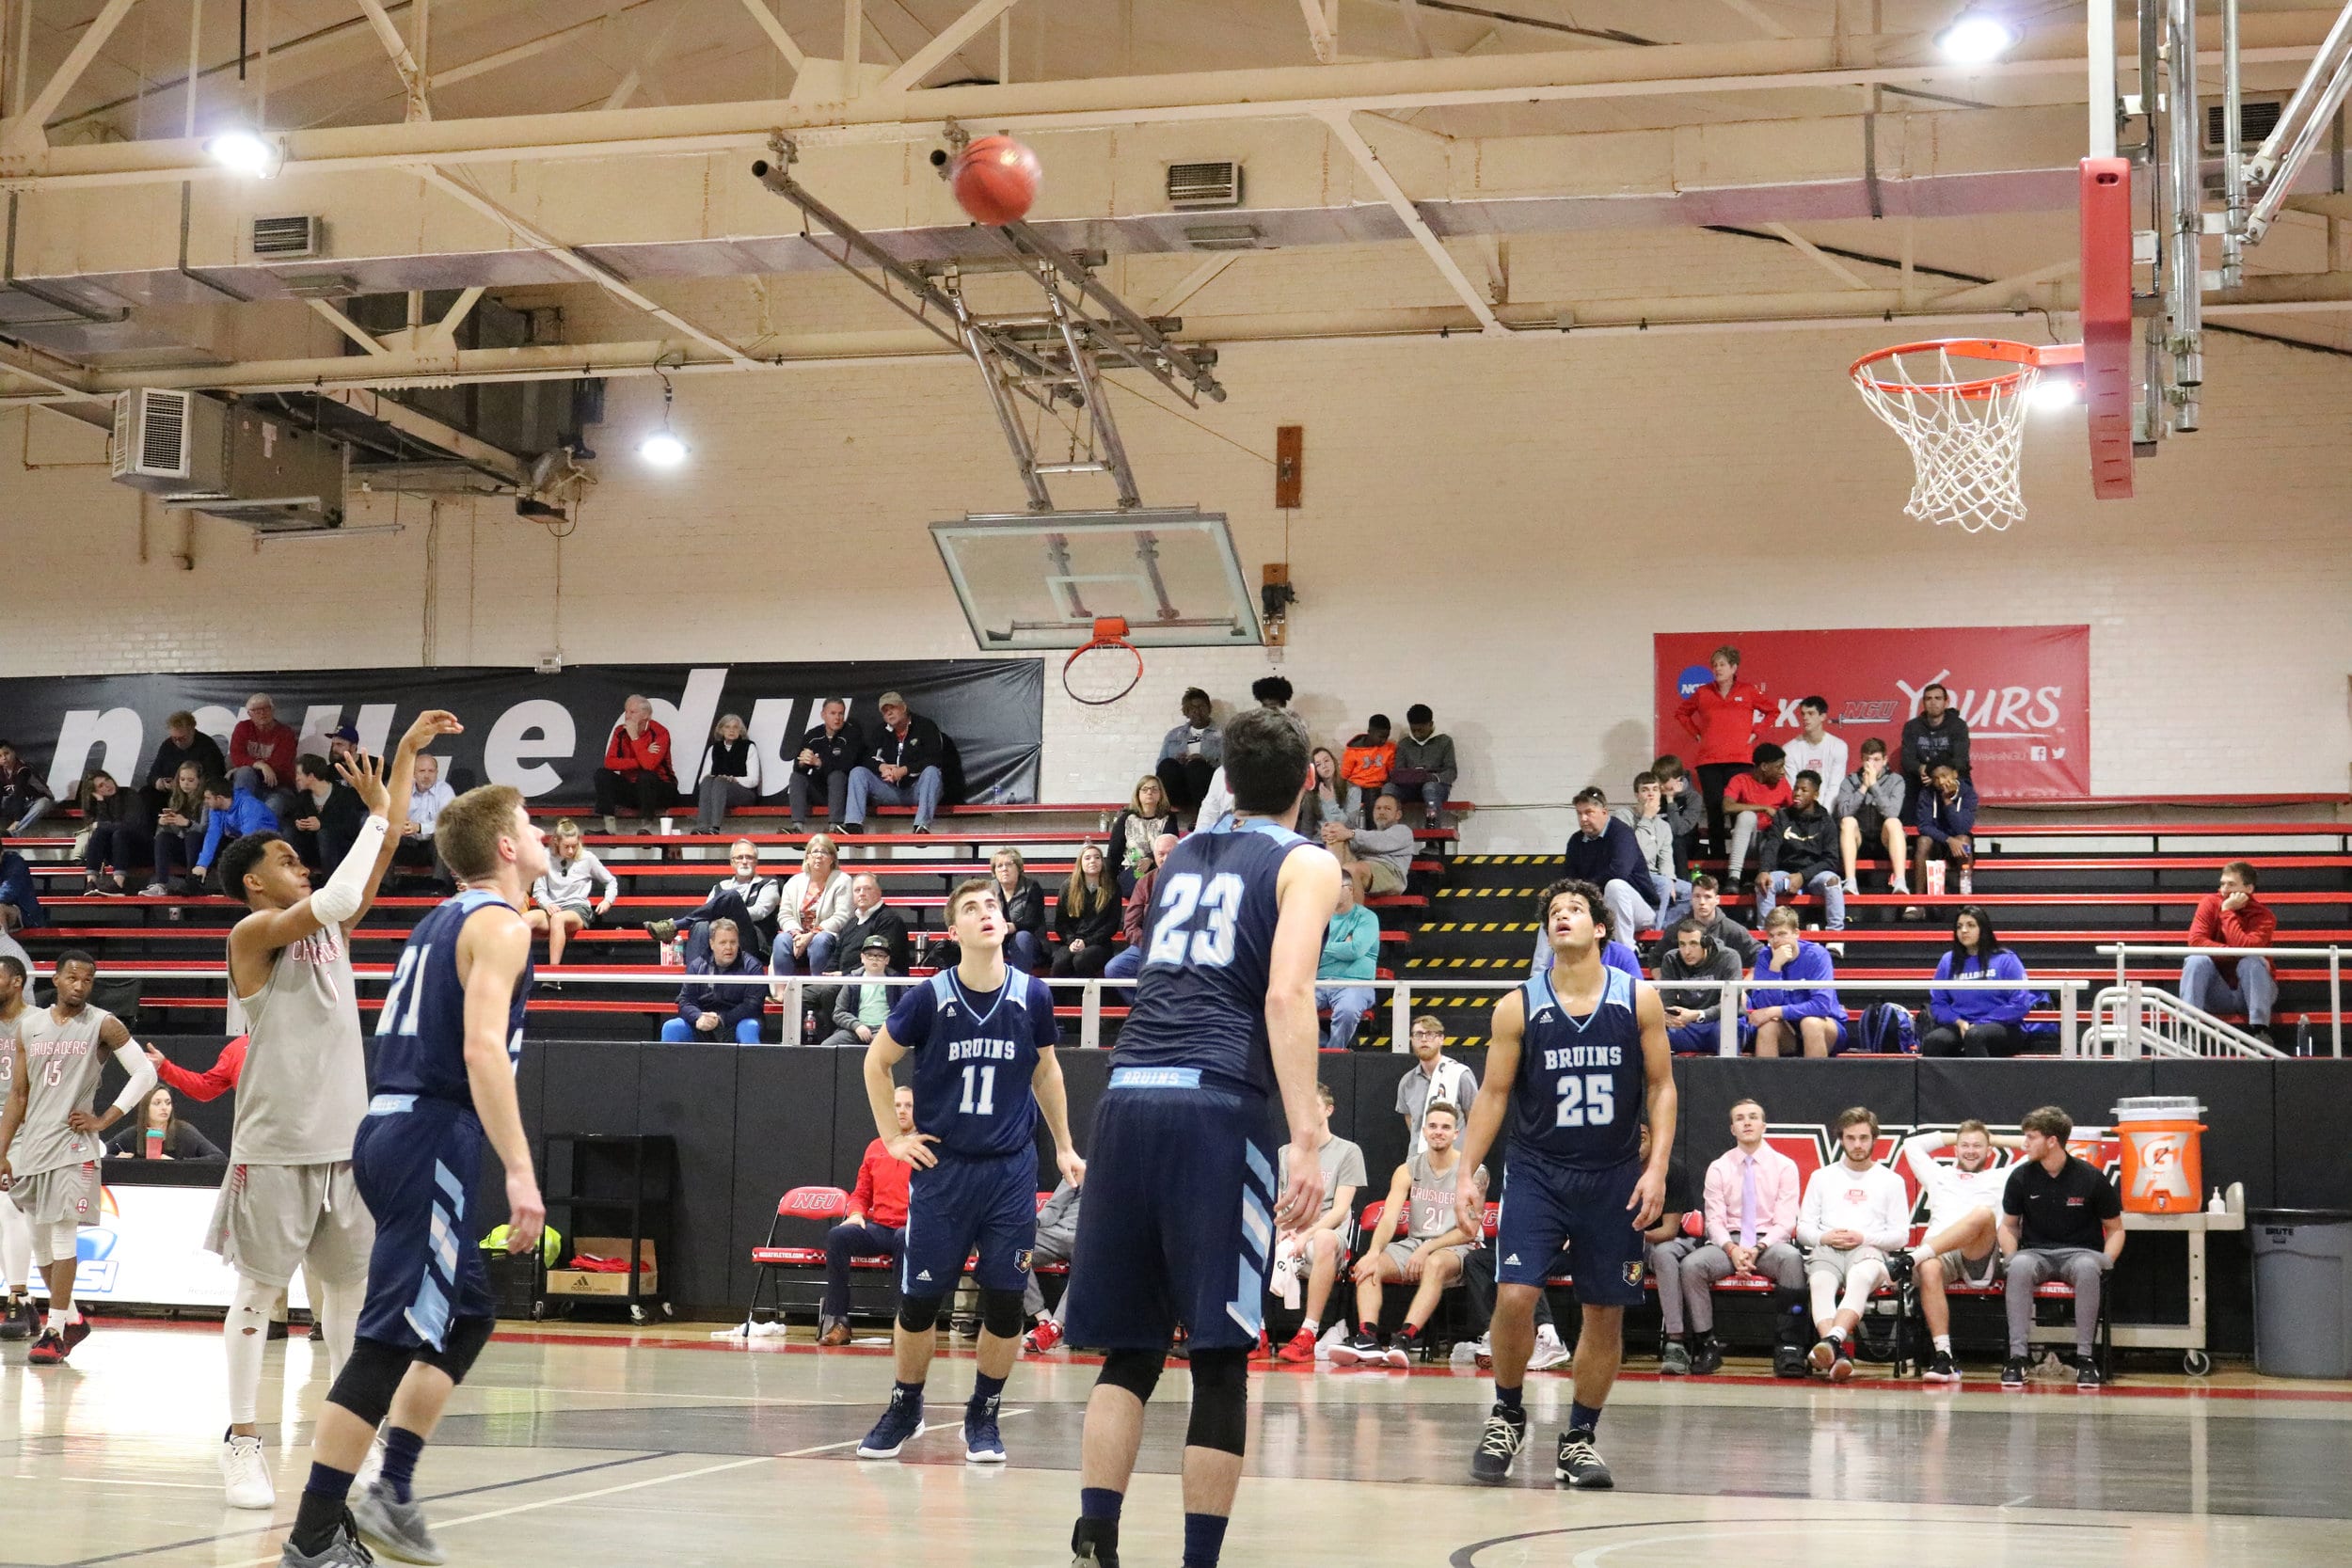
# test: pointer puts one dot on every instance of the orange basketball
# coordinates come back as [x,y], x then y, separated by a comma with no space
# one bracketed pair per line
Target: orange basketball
[995,180]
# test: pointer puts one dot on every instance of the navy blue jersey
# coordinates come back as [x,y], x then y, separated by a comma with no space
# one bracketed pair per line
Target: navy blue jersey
[974,1054]
[1580,1097]
[1200,1001]
[420,1037]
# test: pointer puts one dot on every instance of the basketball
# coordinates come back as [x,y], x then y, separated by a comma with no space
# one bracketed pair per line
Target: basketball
[995,180]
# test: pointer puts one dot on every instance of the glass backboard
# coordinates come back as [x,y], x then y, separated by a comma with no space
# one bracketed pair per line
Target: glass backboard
[1041,579]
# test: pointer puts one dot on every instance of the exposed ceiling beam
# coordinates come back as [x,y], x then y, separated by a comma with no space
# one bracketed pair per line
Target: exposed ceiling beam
[411,78]
[950,39]
[349,329]
[1408,11]
[24,130]
[1323,28]
[1408,215]
[529,48]
[643,60]
[497,461]
[1192,283]
[776,35]
[2002,290]
[1820,258]
[1767,24]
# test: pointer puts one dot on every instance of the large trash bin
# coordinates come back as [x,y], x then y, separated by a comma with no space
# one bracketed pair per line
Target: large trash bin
[2303,1291]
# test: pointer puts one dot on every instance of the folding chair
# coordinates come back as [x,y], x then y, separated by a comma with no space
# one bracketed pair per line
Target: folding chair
[824,1205]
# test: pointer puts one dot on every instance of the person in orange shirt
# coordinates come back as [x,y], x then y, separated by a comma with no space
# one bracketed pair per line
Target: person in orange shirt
[1723,718]
[1364,765]
[876,1226]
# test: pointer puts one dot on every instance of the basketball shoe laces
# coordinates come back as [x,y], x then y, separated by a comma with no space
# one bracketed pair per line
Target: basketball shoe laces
[1501,1439]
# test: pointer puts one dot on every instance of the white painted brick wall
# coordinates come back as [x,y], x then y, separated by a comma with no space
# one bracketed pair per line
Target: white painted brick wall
[1494,528]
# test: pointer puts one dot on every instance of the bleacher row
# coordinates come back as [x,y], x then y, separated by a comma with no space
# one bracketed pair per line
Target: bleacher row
[2057,885]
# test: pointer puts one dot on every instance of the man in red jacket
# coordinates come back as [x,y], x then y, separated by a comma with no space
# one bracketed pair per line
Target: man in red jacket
[638,775]
[2231,917]
[876,1226]
[1723,718]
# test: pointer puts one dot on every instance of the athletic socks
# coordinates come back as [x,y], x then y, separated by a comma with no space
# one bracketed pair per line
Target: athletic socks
[907,1393]
[1584,1418]
[1204,1538]
[1923,1253]
[1943,1343]
[1100,1502]
[325,1497]
[985,1388]
[401,1449]
[1368,1329]
[1508,1397]
[1308,1326]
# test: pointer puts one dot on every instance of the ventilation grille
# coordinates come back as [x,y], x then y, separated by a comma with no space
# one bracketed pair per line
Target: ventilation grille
[287,238]
[1225,236]
[1192,186]
[2256,118]
[152,434]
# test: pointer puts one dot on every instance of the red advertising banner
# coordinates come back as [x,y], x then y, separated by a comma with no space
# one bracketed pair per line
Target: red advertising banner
[2023,690]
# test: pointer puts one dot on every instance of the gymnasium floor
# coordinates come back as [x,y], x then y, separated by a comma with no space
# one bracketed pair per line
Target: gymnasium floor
[584,1448]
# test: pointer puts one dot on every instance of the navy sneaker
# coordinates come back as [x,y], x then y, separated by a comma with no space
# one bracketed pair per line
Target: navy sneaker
[981,1444]
[1499,1443]
[900,1425]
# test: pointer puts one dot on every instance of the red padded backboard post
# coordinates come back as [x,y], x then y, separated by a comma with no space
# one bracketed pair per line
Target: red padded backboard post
[2106,283]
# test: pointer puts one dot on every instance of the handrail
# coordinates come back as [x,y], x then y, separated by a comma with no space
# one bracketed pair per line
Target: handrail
[2124,952]
[2145,1011]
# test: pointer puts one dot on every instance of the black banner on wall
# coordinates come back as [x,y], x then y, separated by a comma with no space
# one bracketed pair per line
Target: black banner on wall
[545,734]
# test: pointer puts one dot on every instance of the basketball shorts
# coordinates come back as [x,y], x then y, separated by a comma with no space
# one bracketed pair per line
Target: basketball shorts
[961,1203]
[1839,1262]
[67,1196]
[1548,1206]
[270,1220]
[416,1162]
[1960,1269]
[1400,1252]
[1177,1223]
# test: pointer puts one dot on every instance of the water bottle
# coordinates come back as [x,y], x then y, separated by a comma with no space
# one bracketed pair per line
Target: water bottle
[808,1027]
[2217,1206]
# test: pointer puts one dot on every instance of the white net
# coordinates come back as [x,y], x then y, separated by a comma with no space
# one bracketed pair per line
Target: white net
[1965,445]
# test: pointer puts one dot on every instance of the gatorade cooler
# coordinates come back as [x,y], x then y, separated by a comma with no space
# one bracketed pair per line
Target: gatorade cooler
[2163,1153]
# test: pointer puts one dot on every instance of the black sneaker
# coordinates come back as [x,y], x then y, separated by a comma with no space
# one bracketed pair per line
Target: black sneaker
[1499,1443]
[19,1322]
[2087,1372]
[1941,1369]
[1094,1543]
[1708,1358]
[1899,1267]
[1358,1349]
[2013,1372]
[1580,1463]
[277,1330]
[1823,1356]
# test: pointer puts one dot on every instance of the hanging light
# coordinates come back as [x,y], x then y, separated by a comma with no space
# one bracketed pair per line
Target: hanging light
[243,150]
[1976,37]
[2055,391]
[662,449]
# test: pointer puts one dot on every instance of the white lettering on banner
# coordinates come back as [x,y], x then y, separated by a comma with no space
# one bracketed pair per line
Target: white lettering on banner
[1988,712]
[536,727]
[374,727]
[775,737]
[117,731]
[216,722]
[689,721]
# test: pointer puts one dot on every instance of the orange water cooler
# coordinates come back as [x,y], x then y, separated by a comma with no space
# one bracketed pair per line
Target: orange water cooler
[2163,1152]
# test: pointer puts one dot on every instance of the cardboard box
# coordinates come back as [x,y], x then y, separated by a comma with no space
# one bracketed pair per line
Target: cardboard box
[584,1282]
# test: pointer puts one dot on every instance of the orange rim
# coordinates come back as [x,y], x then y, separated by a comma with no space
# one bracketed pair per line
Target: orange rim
[2025,356]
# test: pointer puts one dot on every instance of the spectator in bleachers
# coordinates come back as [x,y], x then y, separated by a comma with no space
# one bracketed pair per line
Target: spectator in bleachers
[1419,1241]
[1379,857]
[1869,811]
[1135,916]
[862,1008]
[711,1012]
[2231,917]
[1785,1022]
[1684,810]
[1364,766]
[1977,1022]
[1056,1243]
[261,756]
[24,796]
[576,893]
[875,1226]
[20,908]
[2061,1219]
[1750,798]
[1815,748]
[328,814]
[1722,717]
[810,911]
[1190,754]
[117,842]
[1694,1015]
[1605,852]
[175,1139]
[730,774]
[1750,1196]
[1666,1246]
[1317,1247]
[1425,764]
[179,833]
[230,812]
[1962,1246]
[1351,957]
[1326,799]
[751,900]
[1435,1076]
[640,773]
[1706,908]
[429,797]
[1022,901]
[182,742]
[1147,817]
[1855,1213]
[1271,691]
[869,917]
[1946,822]
[1799,855]
[1086,920]
[828,756]
[1654,832]
[1934,735]
[904,767]
[1216,804]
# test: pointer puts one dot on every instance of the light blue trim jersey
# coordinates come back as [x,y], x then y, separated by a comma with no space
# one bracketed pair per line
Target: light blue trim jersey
[420,1035]
[975,1056]
[1580,1097]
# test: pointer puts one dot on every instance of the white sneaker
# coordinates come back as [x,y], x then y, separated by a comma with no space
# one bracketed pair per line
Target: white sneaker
[154,890]
[244,1476]
[1853,888]
[1549,1352]
[372,1467]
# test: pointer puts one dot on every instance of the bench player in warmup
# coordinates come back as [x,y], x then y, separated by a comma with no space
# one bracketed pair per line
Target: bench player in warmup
[51,1142]
[982,1036]
[18,1318]
[446,1043]
[1179,1222]
[1577,1061]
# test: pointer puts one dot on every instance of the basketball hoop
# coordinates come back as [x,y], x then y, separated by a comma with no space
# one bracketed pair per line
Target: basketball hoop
[1966,432]
[1105,668]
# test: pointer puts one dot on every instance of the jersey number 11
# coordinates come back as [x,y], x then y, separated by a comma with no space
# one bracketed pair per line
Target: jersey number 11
[980,1092]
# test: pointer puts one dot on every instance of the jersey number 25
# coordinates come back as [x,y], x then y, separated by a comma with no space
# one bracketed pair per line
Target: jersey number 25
[1587,1101]
[1216,905]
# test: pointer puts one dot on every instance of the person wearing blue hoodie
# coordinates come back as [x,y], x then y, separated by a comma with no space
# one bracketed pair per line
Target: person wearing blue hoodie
[1782,1021]
[709,1012]
[233,811]
[1977,1022]
[19,904]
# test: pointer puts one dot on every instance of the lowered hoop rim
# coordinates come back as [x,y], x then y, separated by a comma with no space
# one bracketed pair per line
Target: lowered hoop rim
[1112,666]
[2027,358]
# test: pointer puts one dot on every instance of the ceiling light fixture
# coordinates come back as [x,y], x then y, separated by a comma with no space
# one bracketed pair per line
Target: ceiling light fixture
[1978,36]
[2055,391]
[662,449]
[245,151]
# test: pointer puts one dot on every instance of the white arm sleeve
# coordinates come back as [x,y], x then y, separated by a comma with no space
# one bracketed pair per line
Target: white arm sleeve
[142,1073]
[347,888]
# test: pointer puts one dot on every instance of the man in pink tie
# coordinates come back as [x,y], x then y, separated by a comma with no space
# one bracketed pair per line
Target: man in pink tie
[1751,1204]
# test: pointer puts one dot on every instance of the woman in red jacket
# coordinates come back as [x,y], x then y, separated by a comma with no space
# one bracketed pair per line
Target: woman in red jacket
[1722,717]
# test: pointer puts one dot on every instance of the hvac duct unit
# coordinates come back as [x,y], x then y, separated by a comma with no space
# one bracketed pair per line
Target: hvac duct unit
[2256,118]
[198,453]
[1195,187]
[288,239]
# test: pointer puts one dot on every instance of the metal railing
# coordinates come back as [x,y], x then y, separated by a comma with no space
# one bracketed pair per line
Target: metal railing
[2124,952]
[2136,1019]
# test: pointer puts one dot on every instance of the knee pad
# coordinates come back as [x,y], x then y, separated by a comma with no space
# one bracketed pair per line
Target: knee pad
[369,1379]
[1220,1401]
[460,1346]
[1137,1371]
[919,1314]
[1000,1313]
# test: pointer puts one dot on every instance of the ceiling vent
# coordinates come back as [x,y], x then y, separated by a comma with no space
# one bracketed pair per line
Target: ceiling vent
[288,239]
[1225,236]
[320,285]
[242,463]
[2256,118]
[1194,186]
